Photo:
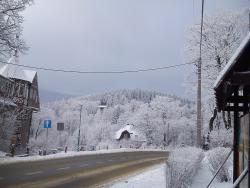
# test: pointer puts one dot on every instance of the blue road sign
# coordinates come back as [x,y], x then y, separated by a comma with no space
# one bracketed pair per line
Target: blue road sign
[47,123]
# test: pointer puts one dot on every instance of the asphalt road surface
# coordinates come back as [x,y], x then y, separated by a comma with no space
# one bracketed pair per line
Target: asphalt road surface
[78,171]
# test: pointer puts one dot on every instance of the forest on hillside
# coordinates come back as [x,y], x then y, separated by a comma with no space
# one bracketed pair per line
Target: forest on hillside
[152,114]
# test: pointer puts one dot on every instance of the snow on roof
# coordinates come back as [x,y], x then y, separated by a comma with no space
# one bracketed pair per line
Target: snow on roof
[30,75]
[135,135]
[102,106]
[120,131]
[232,61]
[11,71]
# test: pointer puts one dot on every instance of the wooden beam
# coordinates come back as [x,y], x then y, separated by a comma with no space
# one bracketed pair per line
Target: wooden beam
[239,99]
[241,78]
[234,108]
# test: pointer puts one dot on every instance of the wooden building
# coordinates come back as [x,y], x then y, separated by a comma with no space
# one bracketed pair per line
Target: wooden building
[20,88]
[124,135]
[232,91]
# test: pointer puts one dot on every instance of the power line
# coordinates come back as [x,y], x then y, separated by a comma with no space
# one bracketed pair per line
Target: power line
[98,72]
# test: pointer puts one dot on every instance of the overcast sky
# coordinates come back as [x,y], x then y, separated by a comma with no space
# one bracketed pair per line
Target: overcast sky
[112,35]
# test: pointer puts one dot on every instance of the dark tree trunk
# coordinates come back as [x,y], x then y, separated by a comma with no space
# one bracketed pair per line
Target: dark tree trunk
[229,120]
[224,120]
[38,129]
[211,121]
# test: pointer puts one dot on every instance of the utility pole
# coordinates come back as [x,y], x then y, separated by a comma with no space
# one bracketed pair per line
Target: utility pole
[79,133]
[249,21]
[47,134]
[199,119]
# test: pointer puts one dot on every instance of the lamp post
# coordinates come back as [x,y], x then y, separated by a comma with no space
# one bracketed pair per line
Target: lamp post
[79,133]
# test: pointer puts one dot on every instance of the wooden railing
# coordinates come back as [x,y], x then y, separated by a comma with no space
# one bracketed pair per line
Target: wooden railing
[217,172]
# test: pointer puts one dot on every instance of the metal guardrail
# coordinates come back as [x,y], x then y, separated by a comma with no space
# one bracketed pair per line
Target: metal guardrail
[220,168]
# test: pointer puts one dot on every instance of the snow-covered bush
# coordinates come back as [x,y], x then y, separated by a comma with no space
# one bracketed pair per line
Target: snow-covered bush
[182,165]
[216,157]
[222,137]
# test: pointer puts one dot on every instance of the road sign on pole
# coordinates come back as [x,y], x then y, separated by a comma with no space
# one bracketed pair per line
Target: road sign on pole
[47,123]
[60,126]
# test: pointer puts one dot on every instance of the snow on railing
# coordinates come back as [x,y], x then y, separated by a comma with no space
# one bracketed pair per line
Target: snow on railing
[240,178]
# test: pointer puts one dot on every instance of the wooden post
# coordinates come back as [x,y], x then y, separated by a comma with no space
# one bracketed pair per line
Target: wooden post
[248,141]
[246,94]
[47,133]
[236,138]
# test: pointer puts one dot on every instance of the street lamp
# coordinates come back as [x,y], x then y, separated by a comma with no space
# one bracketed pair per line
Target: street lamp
[102,107]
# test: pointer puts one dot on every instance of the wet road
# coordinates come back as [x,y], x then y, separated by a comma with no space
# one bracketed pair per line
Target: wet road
[78,171]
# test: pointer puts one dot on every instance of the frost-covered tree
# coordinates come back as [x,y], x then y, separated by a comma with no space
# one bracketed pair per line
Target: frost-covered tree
[222,34]
[11,21]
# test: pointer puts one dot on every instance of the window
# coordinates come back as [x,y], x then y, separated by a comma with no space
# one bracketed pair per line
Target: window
[21,90]
[34,96]
[31,93]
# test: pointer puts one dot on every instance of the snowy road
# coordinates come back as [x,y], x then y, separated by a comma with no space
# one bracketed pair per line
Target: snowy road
[78,171]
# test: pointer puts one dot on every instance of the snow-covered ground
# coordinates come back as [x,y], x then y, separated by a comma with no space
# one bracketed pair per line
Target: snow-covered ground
[204,176]
[7,160]
[2,154]
[152,177]
[156,177]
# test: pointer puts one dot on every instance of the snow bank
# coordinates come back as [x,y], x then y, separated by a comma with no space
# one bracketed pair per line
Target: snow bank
[153,177]
[215,158]
[182,166]
[2,154]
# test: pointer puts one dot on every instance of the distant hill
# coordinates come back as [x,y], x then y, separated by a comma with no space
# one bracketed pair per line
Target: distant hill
[50,96]
[123,96]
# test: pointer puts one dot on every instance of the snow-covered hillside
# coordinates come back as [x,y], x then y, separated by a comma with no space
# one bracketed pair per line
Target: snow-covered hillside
[156,115]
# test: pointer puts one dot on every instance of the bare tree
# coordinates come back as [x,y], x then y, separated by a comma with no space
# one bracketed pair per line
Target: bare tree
[11,27]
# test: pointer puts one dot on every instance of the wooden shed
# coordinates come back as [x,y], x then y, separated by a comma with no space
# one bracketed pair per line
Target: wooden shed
[232,92]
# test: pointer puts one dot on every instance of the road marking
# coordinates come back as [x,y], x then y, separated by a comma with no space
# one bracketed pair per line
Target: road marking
[1,178]
[64,168]
[110,160]
[99,162]
[84,165]
[33,173]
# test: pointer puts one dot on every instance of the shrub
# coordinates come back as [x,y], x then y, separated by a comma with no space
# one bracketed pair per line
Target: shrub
[216,157]
[182,165]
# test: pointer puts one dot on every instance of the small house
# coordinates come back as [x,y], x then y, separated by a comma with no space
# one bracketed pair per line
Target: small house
[129,134]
